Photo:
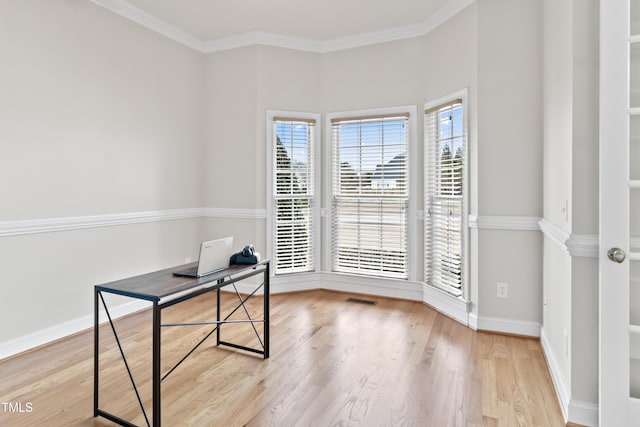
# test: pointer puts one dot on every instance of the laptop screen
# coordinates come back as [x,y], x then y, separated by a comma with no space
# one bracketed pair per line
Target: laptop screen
[214,255]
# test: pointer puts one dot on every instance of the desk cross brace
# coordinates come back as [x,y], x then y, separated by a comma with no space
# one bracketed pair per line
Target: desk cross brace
[130,288]
[126,364]
[216,329]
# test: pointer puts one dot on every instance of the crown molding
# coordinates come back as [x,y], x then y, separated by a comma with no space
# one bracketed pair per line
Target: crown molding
[372,38]
[139,16]
[444,13]
[262,38]
[437,18]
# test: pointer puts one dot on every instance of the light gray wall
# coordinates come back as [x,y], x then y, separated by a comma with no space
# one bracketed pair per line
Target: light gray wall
[505,150]
[104,117]
[571,198]
[557,311]
[97,116]
[510,107]
[509,172]
[558,93]
[232,129]
[584,199]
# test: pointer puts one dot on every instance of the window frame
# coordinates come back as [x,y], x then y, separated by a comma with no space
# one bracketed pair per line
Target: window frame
[317,196]
[465,270]
[327,169]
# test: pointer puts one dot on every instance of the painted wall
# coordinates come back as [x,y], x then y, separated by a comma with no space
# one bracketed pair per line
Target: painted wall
[509,112]
[584,200]
[570,286]
[468,51]
[129,121]
[509,173]
[557,315]
[97,116]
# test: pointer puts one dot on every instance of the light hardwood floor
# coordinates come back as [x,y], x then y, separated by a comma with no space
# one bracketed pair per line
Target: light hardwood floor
[333,363]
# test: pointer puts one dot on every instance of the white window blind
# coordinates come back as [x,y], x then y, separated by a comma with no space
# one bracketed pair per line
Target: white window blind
[293,195]
[370,195]
[445,146]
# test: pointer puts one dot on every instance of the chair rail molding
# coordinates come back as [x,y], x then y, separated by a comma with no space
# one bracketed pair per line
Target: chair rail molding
[513,223]
[577,245]
[48,225]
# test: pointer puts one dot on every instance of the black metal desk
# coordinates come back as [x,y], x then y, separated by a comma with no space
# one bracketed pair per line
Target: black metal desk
[165,290]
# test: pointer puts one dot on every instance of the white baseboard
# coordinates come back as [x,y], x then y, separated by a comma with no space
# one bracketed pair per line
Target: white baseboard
[48,335]
[558,383]
[574,411]
[347,283]
[505,326]
[455,308]
[583,413]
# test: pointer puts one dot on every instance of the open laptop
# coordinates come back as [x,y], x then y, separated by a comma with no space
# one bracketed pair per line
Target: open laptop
[214,256]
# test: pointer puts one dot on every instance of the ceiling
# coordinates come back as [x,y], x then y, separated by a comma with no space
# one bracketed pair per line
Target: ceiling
[210,25]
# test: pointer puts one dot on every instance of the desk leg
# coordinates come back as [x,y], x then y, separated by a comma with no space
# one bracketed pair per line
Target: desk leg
[266,311]
[156,365]
[96,338]
[218,317]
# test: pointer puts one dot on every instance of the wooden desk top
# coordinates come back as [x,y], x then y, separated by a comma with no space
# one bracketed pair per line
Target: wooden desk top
[162,283]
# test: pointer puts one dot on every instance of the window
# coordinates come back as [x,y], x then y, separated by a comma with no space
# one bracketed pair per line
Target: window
[370,194]
[293,193]
[445,196]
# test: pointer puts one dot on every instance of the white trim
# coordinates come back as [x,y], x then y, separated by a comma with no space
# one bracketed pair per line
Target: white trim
[47,225]
[139,16]
[456,308]
[584,413]
[574,411]
[56,332]
[317,183]
[375,286]
[505,326]
[235,213]
[327,172]
[554,232]
[583,245]
[374,37]
[412,226]
[462,94]
[447,11]
[554,370]
[514,223]
[128,11]
[262,38]
[383,287]
[577,245]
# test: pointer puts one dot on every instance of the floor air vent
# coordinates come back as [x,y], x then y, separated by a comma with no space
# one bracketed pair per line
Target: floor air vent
[361,301]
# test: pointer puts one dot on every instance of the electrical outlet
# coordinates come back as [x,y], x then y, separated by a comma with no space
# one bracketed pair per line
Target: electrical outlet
[502,290]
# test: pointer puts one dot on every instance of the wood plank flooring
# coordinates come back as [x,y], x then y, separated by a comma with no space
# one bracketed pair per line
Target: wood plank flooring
[333,363]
